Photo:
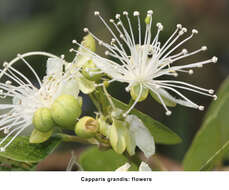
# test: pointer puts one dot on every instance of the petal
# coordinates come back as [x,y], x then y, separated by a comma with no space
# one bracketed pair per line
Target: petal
[144,140]
[85,85]
[123,168]
[144,167]
[54,65]
[168,96]
[69,87]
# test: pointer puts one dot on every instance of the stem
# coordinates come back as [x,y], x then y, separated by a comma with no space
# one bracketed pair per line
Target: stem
[108,97]
[70,138]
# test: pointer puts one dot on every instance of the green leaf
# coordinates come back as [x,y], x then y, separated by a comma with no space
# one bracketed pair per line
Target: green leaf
[216,158]
[213,134]
[95,160]
[22,151]
[160,132]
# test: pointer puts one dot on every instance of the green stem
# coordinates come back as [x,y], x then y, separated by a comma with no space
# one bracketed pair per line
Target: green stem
[108,97]
[70,138]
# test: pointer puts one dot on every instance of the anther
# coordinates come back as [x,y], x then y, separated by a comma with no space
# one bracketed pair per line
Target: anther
[181,33]
[8,82]
[62,56]
[194,31]
[111,20]
[6,131]
[85,29]
[106,52]
[184,29]
[211,91]
[214,59]
[74,41]
[168,113]
[125,13]
[112,40]
[71,50]
[159,26]
[5,64]
[117,16]
[179,26]
[136,13]
[96,13]
[201,108]
[204,48]
[150,12]
[215,97]
[190,72]
[184,51]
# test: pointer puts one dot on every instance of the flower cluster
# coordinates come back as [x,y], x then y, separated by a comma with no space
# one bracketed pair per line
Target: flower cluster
[52,101]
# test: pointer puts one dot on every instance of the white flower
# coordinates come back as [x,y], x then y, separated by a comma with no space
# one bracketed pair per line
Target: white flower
[145,61]
[27,95]
[141,135]
[142,168]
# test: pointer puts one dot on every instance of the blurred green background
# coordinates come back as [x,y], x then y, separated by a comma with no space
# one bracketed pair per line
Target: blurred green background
[30,25]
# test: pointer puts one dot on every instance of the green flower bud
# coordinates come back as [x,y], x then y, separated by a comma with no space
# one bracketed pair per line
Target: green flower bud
[42,120]
[65,111]
[91,72]
[117,136]
[135,90]
[86,127]
[104,127]
[40,137]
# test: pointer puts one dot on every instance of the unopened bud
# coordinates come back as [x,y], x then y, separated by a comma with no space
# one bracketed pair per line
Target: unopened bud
[104,127]
[86,127]
[65,111]
[42,120]
[39,137]
[117,135]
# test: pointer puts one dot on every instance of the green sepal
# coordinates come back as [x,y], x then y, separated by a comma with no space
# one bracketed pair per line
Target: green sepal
[39,137]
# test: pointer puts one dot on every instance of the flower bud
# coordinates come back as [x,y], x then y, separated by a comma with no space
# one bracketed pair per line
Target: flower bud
[40,137]
[42,120]
[135,90]
[103,126]
[65,111]
[86,127]
[117,135]
[91,72]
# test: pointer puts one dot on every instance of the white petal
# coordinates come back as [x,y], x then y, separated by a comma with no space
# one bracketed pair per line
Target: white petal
[69,87]
[144,167]
[144,140]
[54,65]
[165,94]
[123,168]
